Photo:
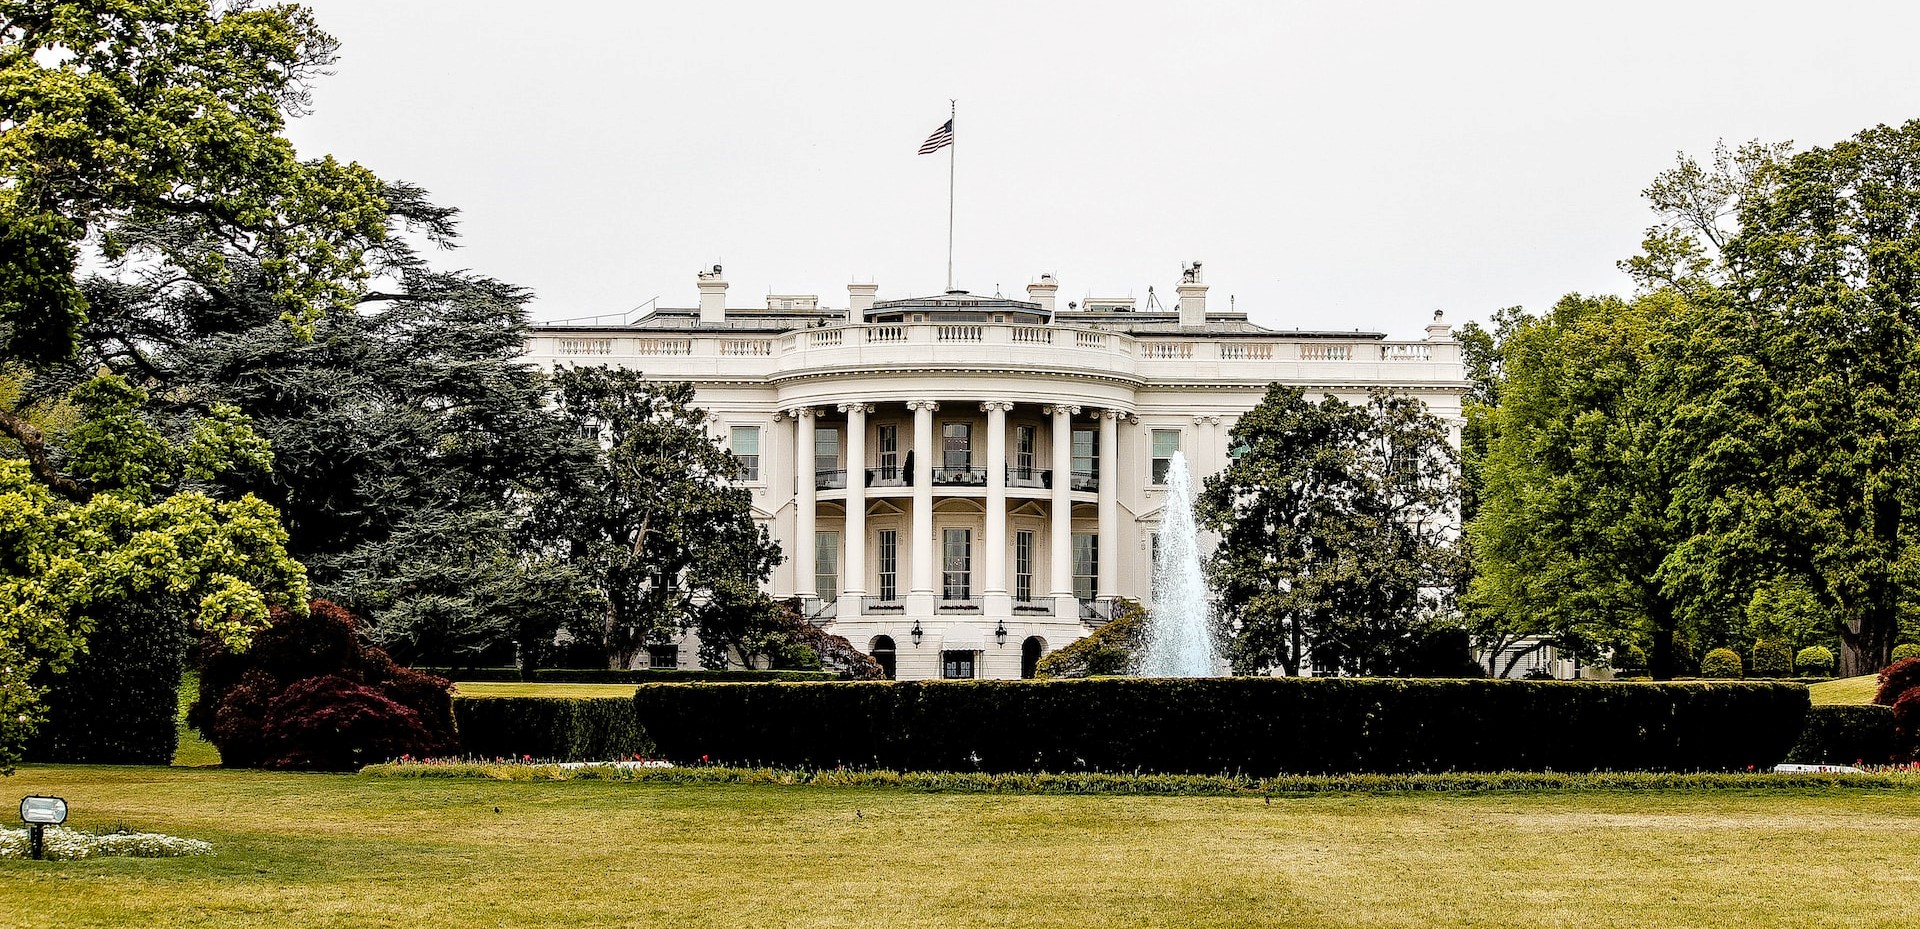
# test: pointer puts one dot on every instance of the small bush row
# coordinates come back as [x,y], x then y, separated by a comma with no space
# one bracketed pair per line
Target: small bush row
[559,728]
[609,676]
[1163,784]
[1257,726]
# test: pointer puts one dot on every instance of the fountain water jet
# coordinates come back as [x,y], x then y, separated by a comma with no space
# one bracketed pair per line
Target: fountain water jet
[1180,626]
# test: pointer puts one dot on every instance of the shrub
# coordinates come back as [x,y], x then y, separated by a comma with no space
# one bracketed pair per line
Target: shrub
[118,702]
[306,694]
[1111,649]
[1896,679]
[1772,658]
[1906,721]
[626,676]
[1815,661]
[1845,735]
[1256,726]
[1722,663]
[556,728]
[1629,660]
[1905,651]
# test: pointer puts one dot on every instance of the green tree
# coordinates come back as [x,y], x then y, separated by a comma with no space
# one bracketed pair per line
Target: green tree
[1335,524]
[657,522]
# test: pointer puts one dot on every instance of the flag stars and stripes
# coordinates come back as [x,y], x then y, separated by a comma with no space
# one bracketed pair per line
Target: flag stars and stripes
[941,138]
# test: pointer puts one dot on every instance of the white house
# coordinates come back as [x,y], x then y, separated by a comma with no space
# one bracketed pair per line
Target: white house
[962,483]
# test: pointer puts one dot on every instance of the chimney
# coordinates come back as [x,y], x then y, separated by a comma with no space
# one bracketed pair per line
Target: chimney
[1193,297]
[1042,291]
[859,301]
[713,297]
[1439,330]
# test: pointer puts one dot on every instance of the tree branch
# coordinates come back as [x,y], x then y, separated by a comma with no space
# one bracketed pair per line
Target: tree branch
[34,443]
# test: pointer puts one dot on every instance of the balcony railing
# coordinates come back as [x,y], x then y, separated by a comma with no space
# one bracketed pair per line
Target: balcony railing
[959,477]
[1097,612]
[1081,480]
[829,480]
[881,605]
[888,477]
[1033,607]
[1029,477]
[960,605]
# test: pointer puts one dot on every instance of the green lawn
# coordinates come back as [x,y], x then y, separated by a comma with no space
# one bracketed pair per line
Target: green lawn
[344,850]
[521,689]
[1857,690]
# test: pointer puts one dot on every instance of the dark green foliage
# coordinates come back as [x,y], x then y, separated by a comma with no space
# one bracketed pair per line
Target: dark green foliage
[268,706]
[1722,663]
[1815,661]
[636,676]
[118,702]
[1256,726]
[1112,649]
[1845,735]
[1772,658]
[549,728]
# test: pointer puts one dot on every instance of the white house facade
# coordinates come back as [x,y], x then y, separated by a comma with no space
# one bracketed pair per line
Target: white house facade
[963,483]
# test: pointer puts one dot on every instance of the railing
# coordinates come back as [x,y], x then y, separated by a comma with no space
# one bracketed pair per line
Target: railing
[1404,352]
[1326,353]
[1033,334]
[746,347]
[1166,350]
[884,334]
[1097,612]
[1242,351]
[1033,607]
[819,611]
[960,333]
[871,605]
[1090,339]
[950,477]
[959,605]
[663,346]
[584,347]
[887,477]
[1081,480]
[829,480]
[825,338]
[1029,477]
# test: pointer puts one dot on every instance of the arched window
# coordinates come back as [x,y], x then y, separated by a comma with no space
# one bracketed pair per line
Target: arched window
[1030,652]
[881,648]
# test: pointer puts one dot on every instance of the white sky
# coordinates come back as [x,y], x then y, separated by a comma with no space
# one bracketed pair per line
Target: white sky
[1334,165]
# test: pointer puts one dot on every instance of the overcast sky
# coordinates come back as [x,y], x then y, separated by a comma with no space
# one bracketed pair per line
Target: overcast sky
[1334,165]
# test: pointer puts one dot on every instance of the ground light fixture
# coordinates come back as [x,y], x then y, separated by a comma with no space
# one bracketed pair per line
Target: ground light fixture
[39,813]
[916,632]
[1000,632]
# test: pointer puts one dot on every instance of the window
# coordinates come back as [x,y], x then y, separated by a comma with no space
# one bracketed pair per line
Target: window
[1086,565]
[956,665]
[1023,442]
[826,565]
[1023,566]
[889,564]
[745,443]
[956,578]
[956,446]
[1165,443]
[1086,460]
[663,657]
[826,451]
[889,451]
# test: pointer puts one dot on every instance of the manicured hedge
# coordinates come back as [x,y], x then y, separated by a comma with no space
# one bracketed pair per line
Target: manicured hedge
[549,728]
[641,676]
[1252,726]
[1845,735]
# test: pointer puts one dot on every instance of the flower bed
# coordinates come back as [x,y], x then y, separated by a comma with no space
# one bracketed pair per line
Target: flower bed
[63,844]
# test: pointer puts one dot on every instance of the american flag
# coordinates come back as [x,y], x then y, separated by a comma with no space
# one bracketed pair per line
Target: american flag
[941,138]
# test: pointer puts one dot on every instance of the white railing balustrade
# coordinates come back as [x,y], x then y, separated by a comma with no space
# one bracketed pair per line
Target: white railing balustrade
[824,338]
[1242,351]
[663,346]
[1038,335]
[960,334]
[1326,353]
[1090,339]
[584,347]
[1166,350]
[1406,352]
[885,334]
[746,347]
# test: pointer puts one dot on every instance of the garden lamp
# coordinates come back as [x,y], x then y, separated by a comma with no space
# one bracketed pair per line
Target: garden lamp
[39,813]
[916,632]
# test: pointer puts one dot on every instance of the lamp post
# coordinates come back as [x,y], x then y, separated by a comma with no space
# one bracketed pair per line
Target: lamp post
[1000,633]
[916,632]
[39,813]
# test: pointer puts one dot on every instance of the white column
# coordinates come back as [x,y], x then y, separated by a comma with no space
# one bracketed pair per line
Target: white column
[853,568]
[1060,552]
[996,497]
[1109,544]
[922,545]
[805,493]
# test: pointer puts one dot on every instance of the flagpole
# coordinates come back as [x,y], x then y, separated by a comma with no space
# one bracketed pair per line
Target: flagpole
[953,110]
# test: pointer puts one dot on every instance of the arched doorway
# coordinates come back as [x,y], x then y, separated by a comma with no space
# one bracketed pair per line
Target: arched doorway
[1030,652]
[881,648]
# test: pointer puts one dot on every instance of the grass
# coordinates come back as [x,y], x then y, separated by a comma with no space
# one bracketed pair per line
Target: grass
[1846,690]
[343,850]
[192,751]
[523,689]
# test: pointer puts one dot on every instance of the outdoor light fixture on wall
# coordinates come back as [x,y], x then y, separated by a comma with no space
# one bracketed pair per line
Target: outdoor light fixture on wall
[1000,632]
[916,632]
[39,813]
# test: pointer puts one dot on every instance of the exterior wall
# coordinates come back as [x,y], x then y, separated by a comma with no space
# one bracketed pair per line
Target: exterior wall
[792,383]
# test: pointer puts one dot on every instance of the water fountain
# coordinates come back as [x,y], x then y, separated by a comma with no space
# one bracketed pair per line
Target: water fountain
[1179,627]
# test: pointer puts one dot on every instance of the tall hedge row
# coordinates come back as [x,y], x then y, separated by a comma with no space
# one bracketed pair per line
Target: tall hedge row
[1253,726]
[1846,734]
[549,728]
[632,676]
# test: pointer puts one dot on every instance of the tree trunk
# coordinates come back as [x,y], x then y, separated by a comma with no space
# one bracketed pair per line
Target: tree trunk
[1662,660]
[1866,645]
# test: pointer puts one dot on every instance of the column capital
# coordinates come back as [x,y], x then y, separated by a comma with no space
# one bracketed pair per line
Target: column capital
[928,405]
[1122,415]
[1056,409]
[855,407]
[797,412]
[1206,420]
[1004,406]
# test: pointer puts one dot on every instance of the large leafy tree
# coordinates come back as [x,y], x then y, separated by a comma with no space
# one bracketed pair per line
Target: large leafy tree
[1802,378]
[659,525]
[1336,523]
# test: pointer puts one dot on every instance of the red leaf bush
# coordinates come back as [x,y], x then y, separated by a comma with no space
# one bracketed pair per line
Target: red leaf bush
[307,695]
